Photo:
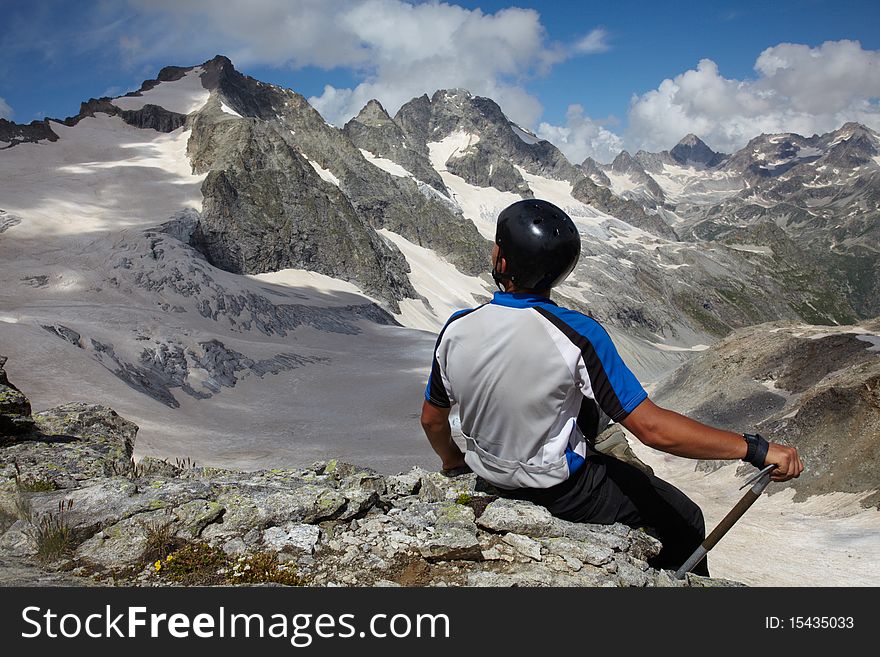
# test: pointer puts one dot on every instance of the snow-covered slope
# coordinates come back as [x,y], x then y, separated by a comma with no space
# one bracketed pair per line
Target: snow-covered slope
[183,96]
[98,305]
[106,257]
[256,288]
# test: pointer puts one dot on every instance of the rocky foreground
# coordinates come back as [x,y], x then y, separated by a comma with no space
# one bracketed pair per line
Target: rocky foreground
[75,509]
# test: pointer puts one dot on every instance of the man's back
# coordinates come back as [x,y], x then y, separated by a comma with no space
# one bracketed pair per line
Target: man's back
[531,380]
[536,381]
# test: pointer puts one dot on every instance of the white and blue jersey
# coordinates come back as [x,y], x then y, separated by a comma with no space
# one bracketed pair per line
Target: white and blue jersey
[533,381]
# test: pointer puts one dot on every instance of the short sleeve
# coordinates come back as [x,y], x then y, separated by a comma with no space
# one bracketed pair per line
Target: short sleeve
[435,391]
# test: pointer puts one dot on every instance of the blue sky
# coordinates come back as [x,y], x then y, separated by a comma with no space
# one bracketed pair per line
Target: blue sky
[587,75]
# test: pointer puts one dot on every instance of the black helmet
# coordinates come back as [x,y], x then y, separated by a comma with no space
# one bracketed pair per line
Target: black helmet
[540,243]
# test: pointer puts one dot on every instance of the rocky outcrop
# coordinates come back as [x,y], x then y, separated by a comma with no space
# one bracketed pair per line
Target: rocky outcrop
[15,409]
[816,388]
[72,500]
[596,172]
[373,130]
[626,165]
[311,177]
[424,120]
[149,116]
[693,151]
[8,220]
[587,191]
[481,167]
[199,370]
[266,208]
[12,133]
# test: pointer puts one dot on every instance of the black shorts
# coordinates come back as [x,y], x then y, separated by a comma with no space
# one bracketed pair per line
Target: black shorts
[605,490]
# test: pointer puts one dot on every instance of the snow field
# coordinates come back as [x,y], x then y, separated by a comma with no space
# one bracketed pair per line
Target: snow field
[183,96]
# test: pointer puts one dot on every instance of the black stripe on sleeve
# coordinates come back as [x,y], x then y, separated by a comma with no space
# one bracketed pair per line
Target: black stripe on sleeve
[436,392]
[603,391]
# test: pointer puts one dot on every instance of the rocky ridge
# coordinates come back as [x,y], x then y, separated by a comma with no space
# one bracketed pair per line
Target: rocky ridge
[823,192]
[816,388]
[148,117]
[714,300]
[283,189]
[313,201]
[75,509]
[375,131]
[500,148]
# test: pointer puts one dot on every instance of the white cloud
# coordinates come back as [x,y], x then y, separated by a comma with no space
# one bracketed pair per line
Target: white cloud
[419,48]
[582,137]
[396,49]
[798,89]
[5,110]
[275,32]
[595,41]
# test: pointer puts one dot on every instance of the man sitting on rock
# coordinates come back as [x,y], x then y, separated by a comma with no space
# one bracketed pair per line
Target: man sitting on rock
[536,383]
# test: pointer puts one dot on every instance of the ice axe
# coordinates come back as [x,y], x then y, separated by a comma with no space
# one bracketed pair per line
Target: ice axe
[759,481]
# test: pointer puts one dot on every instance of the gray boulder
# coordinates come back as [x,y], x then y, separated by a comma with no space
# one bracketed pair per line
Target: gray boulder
[15,408]
[505,515]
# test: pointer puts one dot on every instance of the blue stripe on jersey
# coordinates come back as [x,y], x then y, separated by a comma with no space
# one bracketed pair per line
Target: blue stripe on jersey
[519,299]
[575,460]
[623,382]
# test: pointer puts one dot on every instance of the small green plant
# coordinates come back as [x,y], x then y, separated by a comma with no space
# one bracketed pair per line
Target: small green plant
[52,534]
[200,564]
[463,498]
[196,564]
[261,568]
[161,540]
[36,485]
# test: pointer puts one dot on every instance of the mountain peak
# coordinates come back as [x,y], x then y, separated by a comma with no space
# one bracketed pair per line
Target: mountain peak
[216,70]
[218,60]
[691,140]
[457,93]
[692,150]
[372,114]
[219,64]
[853,129]
[625,163]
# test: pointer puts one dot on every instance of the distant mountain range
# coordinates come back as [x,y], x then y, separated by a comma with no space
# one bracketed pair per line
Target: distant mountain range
[211,230]
[821,192]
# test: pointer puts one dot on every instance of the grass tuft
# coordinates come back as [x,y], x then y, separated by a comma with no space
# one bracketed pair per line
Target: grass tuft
[161,540]
[52,534]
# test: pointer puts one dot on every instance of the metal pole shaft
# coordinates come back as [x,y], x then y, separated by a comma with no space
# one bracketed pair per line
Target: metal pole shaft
[724,526]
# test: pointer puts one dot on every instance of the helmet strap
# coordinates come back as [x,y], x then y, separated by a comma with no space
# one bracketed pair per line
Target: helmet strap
[497,276]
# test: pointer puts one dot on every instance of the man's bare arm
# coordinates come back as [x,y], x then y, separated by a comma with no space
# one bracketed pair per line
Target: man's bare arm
[674,433]
[435,422]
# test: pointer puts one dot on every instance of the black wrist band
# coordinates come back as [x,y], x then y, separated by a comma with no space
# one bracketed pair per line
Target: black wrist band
[756,453]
